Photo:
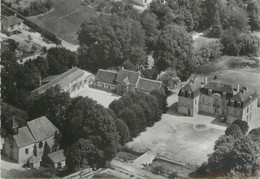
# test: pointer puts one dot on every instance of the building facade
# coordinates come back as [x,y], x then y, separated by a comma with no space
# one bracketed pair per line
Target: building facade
[29,143]
[11,25]
[70,81]
[124,81]
[218,99]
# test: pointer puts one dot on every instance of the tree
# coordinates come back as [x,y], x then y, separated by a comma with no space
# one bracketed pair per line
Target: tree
[169,78]
[88,120]
[78,153]
[162,100]
[60,60]
[53,104]
[234,130]
[123,131]
[255,131]
[106,41]
[242,124]
[253,10]
[245,157]
[130,118]
[150,24]
[217,26]
[10,113]
[174,49]
[128,65]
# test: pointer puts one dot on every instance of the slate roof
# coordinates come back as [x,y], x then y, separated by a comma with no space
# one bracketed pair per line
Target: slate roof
[10,21]
[41,128]
[219,87]
[244,99]
[106,76]
[192,88]
[62,80]
[148,85]
[131,75]
[49,78]
[57,156]
[24,137]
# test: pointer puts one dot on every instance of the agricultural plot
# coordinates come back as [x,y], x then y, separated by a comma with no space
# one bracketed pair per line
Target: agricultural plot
[65,19]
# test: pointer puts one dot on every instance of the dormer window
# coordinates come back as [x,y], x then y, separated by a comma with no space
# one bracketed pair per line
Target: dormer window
[209,92]
[224,95]
[231,103]
[189,94]
[238,104]
[182,92]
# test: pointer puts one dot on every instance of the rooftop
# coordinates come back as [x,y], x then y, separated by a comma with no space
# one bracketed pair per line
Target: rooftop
[106,76]
[62,80]
[23,137]
[219,87]
[131,75]
[10,21]
[148,85]
[57,156]
[41,128]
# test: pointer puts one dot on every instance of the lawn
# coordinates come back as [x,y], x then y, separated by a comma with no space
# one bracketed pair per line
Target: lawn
[177,140]
[65,19]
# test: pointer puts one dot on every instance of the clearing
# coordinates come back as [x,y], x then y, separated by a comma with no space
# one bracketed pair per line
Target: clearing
[65,19]
[102,97]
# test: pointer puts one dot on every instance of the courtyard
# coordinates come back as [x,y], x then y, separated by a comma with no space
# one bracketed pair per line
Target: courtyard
[102,97]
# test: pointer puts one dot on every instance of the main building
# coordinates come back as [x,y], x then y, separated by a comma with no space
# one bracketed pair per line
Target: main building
[218,99]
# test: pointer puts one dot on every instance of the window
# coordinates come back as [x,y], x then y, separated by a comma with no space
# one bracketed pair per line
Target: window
[224,95]
[189,94]
[231,103]
[41,144]
[182,92]
[26,151]
[210,92]
[195,101]
[238,104]
[247,110]
[145,1]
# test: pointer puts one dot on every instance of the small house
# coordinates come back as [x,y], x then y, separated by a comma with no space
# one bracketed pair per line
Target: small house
[11,25]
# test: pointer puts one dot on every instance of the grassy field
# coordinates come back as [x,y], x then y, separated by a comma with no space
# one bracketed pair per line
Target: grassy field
[65,19]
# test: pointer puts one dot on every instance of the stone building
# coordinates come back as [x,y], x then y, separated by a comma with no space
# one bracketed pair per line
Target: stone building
[29,143]
[215,98]
[124,81]
[70,81]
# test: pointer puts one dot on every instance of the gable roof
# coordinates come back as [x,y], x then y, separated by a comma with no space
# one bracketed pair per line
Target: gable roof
[106,76]
[49,78]
[131,75]
[244,98]
[11,20]
[23,137]
[219,87]
[41,128]
[62,80]
[57,156]
[148,85]
[192,88]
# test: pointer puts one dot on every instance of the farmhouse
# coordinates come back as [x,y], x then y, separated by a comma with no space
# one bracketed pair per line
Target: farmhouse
[70,81]
[29,143]
[218,99]
[11,25]
[125,81]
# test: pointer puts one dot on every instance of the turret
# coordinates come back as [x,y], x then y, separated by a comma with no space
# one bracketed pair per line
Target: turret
[14,127]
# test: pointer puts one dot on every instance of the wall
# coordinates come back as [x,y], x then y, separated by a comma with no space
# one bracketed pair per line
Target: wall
[22,156]
[188,104]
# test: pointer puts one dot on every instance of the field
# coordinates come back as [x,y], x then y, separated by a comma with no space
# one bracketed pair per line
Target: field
[65,19]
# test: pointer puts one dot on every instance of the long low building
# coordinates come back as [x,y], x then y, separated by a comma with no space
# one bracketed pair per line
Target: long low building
[70,81]
[126,81]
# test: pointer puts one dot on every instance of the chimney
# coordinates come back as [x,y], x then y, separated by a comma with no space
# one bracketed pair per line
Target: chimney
[206,80]
[40,81]
[238,87]
[123,68]
[15,15]
[250,98]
